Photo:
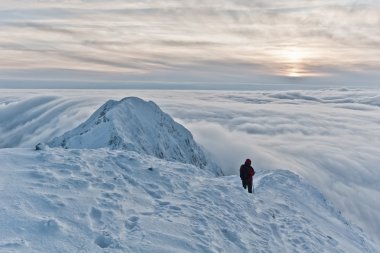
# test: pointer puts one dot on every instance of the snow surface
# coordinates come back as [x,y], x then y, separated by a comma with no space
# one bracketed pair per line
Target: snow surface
[136,125]
[110,199]
[104,200]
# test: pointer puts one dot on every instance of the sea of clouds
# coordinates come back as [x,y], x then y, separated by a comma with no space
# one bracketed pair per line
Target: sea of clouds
[330,137]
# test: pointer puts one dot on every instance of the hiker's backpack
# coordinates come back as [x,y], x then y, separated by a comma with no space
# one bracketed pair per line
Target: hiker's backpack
[244,172]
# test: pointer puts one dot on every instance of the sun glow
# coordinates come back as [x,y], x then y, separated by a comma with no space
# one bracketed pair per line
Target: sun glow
[294,61]
[293,55]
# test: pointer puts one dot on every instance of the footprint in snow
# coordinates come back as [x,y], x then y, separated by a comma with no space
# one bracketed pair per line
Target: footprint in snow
[234,238]
[132,223]
[175,208]
[105,240]
[96,214]
[166,207]
[157,194]
[112,196]
[49,227]
[163,203]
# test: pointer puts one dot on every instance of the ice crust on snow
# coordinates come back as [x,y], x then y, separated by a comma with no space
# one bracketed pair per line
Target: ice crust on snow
[136,125]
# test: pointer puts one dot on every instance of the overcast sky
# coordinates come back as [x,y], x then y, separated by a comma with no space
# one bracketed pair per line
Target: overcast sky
[195,43]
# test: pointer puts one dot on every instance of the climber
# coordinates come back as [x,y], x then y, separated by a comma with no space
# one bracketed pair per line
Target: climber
[246,174]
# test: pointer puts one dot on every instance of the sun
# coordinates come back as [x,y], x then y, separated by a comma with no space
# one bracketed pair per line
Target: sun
[293,61]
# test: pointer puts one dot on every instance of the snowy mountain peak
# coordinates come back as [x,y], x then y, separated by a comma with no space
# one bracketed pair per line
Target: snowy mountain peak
[136,125]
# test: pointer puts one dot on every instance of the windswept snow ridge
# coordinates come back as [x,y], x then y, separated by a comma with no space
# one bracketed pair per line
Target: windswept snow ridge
[136,125]
[101,200]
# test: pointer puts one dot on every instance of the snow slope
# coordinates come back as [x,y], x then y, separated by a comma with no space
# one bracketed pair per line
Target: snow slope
[109,190]
[102,200]
[137,125]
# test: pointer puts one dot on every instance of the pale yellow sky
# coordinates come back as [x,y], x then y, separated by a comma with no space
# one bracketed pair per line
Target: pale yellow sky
[190,41]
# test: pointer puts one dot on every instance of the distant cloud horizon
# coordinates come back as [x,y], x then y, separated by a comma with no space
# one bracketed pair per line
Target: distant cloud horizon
[100,44]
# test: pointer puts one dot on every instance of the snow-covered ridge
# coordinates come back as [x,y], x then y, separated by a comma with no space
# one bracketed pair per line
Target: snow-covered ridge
[101,200]
[135,125]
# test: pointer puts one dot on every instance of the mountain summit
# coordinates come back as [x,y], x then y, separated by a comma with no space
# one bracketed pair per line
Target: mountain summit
[136,125]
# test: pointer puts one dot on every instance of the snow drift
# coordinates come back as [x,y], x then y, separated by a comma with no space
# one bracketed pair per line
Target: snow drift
[135,125]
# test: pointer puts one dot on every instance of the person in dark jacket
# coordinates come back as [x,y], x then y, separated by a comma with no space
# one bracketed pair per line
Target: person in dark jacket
[246,174]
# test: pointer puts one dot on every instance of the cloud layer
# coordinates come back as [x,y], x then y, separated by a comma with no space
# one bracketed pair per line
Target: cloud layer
[228,41]
[330,137]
